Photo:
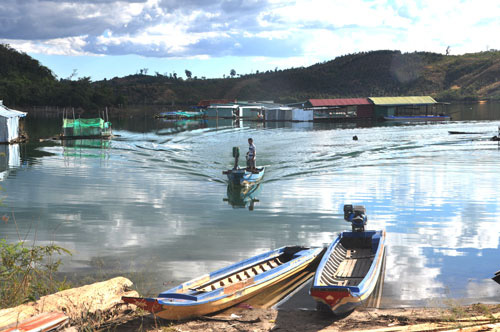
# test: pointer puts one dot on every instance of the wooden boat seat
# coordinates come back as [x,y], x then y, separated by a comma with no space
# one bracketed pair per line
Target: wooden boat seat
[347,267]
[359,253]
[238,276]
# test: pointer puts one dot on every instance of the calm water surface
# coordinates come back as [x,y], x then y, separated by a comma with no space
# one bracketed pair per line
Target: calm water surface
[153,204]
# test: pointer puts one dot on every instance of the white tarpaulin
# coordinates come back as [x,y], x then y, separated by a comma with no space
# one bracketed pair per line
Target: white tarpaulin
[9,123]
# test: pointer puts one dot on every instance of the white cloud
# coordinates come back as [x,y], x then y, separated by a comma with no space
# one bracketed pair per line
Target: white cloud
[313,29]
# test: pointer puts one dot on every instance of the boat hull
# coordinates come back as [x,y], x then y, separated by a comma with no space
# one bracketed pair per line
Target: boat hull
[243,177]
[497,277]
[423,118]
[343,283]
[177,304]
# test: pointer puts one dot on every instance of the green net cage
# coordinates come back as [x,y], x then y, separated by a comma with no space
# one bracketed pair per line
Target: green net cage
[86,127]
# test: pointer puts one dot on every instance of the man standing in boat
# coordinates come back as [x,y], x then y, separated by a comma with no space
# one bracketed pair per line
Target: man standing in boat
[251,154]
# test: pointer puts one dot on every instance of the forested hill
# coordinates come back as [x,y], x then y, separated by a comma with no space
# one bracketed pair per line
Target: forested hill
[379,73]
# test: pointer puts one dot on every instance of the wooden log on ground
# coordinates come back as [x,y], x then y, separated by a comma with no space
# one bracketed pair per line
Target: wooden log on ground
[97,303]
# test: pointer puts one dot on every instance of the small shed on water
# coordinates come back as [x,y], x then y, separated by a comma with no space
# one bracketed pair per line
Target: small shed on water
[9,124]
[406,106]
[340,108]
[288,114]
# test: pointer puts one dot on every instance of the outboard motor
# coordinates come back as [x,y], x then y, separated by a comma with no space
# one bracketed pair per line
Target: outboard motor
[236,155]
[356,215]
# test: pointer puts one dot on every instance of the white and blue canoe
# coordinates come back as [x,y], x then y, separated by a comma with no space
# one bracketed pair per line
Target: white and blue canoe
[349,270]
[417,118]
[244,177]
[229,286]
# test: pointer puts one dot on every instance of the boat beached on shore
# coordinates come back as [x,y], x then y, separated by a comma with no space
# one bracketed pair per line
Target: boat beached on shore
[229,286]
[350,268]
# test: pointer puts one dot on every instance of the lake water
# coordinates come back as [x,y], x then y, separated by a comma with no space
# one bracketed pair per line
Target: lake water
[153,204]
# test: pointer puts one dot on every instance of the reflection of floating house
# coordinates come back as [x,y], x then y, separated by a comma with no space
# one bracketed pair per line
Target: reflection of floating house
[340,109]
[416,108]
[9,124]
[9,158]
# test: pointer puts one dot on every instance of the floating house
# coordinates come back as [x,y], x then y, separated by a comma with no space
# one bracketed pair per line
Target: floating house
[208,102]
[340,108]
[408,108]
[288,114]
[248,110]
[9,124]
[259,111]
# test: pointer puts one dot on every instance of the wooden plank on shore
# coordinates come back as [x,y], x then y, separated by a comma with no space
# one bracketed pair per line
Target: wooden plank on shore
[471,324]
[39,323]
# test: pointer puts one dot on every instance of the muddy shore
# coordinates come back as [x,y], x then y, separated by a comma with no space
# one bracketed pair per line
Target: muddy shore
[470,318]
[98,307]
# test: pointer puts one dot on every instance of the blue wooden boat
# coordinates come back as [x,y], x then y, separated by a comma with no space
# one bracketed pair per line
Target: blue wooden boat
[350,268]
[244,176]
[228,286]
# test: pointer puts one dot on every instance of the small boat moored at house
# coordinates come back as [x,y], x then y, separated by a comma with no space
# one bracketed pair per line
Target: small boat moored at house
[181,115]
[421,118]
[229,286]
[350,268]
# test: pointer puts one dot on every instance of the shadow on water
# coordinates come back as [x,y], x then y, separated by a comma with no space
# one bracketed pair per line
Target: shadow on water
[240,197]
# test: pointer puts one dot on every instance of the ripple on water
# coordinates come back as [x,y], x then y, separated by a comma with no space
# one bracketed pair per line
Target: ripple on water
[161,194]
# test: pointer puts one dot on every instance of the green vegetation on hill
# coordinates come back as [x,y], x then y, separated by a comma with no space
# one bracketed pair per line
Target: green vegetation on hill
[25,82]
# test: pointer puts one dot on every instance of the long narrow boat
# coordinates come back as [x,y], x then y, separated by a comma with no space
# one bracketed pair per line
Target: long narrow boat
[420,118]
[181,115]
[228,286]
[244,176]
[350,268]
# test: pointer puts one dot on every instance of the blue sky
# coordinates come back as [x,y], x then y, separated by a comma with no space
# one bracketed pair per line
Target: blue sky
[108,38]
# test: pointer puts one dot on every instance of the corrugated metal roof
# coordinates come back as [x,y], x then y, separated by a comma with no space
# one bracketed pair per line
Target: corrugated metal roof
[8,113]
[339,102]
[393,101]
[208,102]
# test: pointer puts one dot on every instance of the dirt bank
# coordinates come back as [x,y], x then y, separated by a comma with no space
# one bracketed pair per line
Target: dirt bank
[98,307]
[470,318]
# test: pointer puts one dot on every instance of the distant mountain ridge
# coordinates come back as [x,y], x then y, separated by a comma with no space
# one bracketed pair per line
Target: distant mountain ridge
[471,77]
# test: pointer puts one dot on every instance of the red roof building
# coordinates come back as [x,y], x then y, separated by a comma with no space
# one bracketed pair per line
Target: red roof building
[338,102]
